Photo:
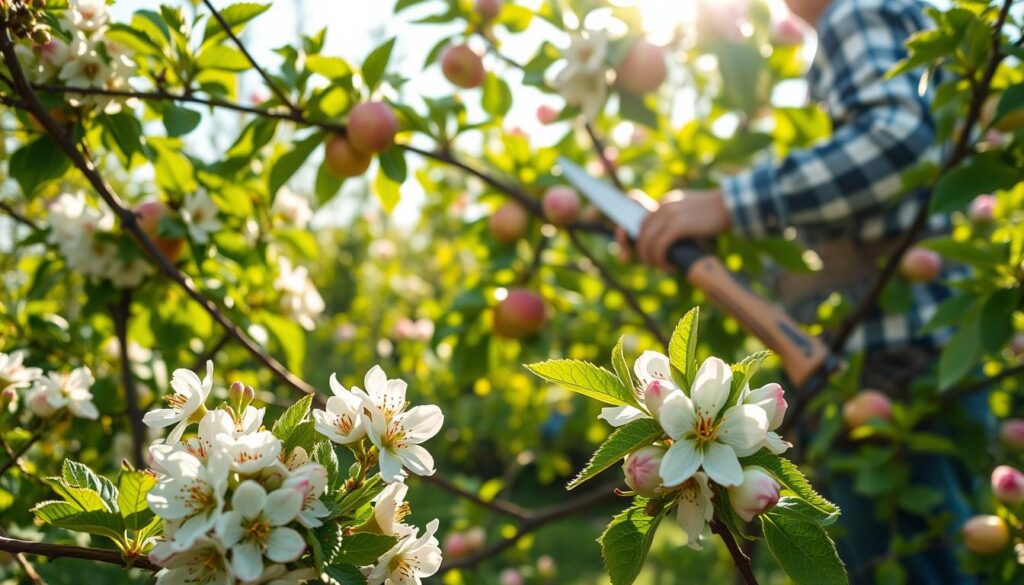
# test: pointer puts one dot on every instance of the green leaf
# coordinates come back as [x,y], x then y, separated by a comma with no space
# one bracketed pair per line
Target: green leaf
[180,121]
[619,364]
[324,454]
[344,575]
[996,316]
[78,475]
[950,312]
[625,440]
[65,515]
[793,506]
[85,499]
[626,542]
[36,163]
[392,162]
[586,379]
[287,164]
[376,62]
[285,424]
[125,132]
[497,97]
[132,487]
[289,334]
[632,107]
[363,548]
[174,171]
[327,184]
[235,15]
[794,481]
[1011,102]
[682,348]
[744,371]
[387,190]
[330,67]
[984,173]
[961,354]
[803,550]
[223,58]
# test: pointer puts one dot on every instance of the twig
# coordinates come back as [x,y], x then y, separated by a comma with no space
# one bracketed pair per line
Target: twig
[56,551]
[739,558]
[961,150]
[211,352]
[17,216]
[121,313]
[26,566]
[241,47]
[606,275]
[15,456]
[499,506]
[599,148]
[534,521]
[981,385]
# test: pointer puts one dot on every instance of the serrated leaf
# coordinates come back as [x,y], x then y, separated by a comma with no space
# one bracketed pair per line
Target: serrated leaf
[65,515]
[376,62]
[132,487]
[626,542]
[682,348]
[587,379]
[85,499]
[77,475]
[285,424]
[793,480]
[324,454]
[803,550]
[363,548]
[622,442]
[743,371]
[344,575]
[619,364]
[793,506]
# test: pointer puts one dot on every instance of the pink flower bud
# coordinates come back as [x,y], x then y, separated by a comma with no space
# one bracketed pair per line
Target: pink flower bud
[982,209]
[772,398]
[8,396]
[1012,433]
[456,545]
[641,470]
[865,406]
[758,493]
[511,577]
[655,394]
[1008,485]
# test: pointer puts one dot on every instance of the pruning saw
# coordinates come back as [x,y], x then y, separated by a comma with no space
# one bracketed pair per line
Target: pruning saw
[805,358]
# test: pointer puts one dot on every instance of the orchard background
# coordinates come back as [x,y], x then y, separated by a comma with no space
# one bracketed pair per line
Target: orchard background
[230,197]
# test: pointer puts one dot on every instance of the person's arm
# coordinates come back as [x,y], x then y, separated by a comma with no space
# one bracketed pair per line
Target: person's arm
[884,127]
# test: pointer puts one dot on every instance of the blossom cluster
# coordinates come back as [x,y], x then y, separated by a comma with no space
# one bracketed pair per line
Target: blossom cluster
[583,82]
[82,55]
[707,435]
[46,394]
[235,503]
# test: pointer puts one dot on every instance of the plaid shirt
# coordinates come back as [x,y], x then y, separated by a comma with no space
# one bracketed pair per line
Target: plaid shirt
[850,185]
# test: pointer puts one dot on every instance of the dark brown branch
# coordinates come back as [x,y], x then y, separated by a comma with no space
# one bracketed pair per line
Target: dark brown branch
[739,558]
[599,148]
[241,47]
[57,551]
[129,221]
[649,323]
[499,506]
[15,456]
[17,216]
[534,521]
[962,149]
[121,313]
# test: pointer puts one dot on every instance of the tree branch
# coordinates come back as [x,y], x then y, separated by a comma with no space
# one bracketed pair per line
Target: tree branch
[121,313]
[56,551]
[15,456]
[498,506]
[16,215]
[599,148]
[739,558]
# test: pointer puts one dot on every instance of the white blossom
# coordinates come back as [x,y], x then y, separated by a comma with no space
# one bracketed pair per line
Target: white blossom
[57,390]
[189,491]
[399,438]
[583,82]
[200,215]
[299,297]
[202,564]
[695,509]
[342,420]
[86,15]
[390,508]
[256,527]
[294,208]
[310,480]
[189,398]
[650,367]
[408,561]
[14,375]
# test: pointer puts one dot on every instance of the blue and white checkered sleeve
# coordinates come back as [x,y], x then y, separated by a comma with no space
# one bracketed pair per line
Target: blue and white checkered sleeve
[882,128]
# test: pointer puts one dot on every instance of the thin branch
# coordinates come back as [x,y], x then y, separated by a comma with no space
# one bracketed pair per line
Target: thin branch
[211,352]
[16,215]
[498,506]
[649,323]
[121,313]
[534,521]
[599,148]
[739,558]
[57,551]
[981,385]
[17,455]
[241,47]
[26,566]
[961,150]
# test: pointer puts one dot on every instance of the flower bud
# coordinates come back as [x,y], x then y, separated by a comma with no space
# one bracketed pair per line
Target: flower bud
[1008,485]
[772,398]
[865,406]
[1012,433]
[758,493]
[9,396]
[511,577]
[986,534]
[655,394]
[982,209]
[642,470]
[235,391]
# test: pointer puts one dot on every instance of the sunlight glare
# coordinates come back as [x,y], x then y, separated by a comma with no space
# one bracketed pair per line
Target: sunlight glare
[662,18]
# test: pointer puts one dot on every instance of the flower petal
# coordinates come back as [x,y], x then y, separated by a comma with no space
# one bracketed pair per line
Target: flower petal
[285,545]
[621,415]
[417,460]
[247,561]
[390,467]
[282,506]
[711,387]
[422,423]
[229,528]
[743,428]
[161,417]
[722,465]
[652,365]
[680,462]
[677,416]
[250,499]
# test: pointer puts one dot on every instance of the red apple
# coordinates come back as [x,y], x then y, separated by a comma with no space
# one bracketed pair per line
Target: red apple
[920,265]
[865,406]
[463,67]
[561,205]
[150,214]
[343,160]
[547,115]
[986,534]
[982,209]
[509,223]
[643,68]
[521,314]
[488,9]
[372,127]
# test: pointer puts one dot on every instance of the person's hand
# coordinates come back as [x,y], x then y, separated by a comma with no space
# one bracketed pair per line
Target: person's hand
[680,215]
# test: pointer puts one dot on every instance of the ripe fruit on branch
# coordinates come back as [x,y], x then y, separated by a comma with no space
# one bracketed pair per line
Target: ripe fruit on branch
[150,213]
[561,205]
[643,68]
[462,66]
[488,9]
[343,160]
[920,265]
[986,534]
[520,314]
[865,406]
[372,127]
[509,223]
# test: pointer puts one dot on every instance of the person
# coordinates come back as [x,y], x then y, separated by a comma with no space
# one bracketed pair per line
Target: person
[844,196]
